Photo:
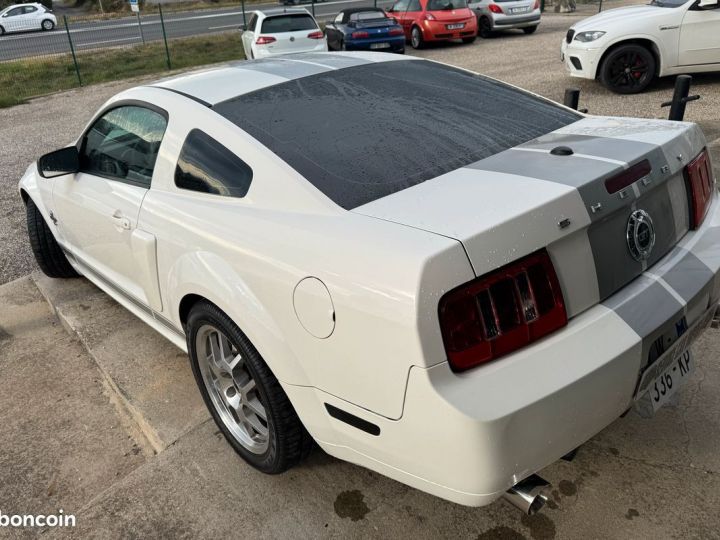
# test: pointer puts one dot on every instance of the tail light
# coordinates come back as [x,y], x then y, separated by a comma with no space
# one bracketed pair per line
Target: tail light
[316,35]
[359,34]
[501,312]
[537,5]
[628,176]
[264,40]
[495,8]
[429,17]
[699,177]
[396,32]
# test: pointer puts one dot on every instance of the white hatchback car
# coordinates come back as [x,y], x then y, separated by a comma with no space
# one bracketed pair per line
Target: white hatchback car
[24,17]
[282,31]
[454,299]
[626,48]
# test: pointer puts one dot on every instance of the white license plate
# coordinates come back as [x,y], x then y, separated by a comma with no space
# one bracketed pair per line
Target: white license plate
[519,10]
[662,379]
[379,45]
[455,26]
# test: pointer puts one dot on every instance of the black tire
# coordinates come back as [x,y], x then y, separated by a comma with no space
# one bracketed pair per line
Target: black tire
[342,46]
[48,253]
[2,31]
[289,443]
[484,28]
[469,39]
[47,25]
[530,29]
[628,69]
[416,38]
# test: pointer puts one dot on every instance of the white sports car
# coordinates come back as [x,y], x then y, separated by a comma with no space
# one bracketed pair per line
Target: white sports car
[455,296]
[627,48]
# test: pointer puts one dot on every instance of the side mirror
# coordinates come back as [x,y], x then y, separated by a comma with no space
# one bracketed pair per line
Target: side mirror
[708,4]
[59,162]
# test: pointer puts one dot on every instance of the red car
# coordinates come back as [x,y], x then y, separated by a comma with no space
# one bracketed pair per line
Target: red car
[435,20]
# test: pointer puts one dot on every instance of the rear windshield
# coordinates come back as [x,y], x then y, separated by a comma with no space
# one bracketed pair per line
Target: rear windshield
[368,16]
[288,23]
[442,5]
[362,133]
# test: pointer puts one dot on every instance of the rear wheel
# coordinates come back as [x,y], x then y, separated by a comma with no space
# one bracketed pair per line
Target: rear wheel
[628,69]
[244,397]
[530,29]
[48,25]
[484,28]
[48,253]
[416,38]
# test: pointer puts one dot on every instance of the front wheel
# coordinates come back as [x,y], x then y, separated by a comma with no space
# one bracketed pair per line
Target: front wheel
[530,29]
[48,253]
[628,69]
[243,396]
[48,25]
[416,38]
[2,31]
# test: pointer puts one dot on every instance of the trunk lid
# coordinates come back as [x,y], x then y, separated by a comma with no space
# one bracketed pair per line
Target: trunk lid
[525,198]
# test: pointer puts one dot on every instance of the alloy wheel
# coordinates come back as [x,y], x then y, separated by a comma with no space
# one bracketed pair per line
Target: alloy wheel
[630,70]
[232,389]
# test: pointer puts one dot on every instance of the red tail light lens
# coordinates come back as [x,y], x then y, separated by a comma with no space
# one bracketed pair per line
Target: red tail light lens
[316,35]
[264,40]
[359,34]
[701,185]
[396,32]
[495,8]
[501,312]
[628,176]
[537,5]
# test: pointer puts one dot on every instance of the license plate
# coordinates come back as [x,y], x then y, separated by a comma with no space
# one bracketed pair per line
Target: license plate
[662,379]
[455,26]
[379,45]
[519,10]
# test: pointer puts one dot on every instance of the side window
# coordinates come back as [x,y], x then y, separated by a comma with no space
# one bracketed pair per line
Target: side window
[339,18]
[14,12]
[401,5]
[123,145]
[253,21]
[29,9]
[207,166]
[414,5]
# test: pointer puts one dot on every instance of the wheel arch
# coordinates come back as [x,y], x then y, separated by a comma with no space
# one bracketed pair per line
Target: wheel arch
[191,282]
[643,41]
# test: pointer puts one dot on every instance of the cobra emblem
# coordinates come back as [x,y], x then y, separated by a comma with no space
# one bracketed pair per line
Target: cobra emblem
[640,235]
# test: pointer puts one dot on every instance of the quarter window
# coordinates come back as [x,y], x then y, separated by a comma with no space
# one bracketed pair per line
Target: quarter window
[29,9]
[207,166]
[123,145]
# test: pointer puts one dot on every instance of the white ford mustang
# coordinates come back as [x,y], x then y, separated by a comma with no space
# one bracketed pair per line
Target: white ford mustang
[627,48]
[430,273]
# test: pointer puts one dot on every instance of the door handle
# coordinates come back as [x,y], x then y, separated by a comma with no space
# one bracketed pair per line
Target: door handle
[120,220]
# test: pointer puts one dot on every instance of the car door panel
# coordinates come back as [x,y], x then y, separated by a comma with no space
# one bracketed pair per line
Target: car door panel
[700,37]
[98,208]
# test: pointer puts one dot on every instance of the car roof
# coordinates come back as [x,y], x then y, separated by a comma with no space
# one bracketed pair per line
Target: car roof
[282,11]
[234,79]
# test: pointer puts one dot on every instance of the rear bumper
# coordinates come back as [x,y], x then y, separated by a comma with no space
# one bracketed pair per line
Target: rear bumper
[265,52]
[507,22]
[438,31]
[397,43]
[468,437]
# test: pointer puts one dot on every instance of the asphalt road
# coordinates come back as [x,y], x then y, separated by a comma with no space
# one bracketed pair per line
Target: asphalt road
[127,31]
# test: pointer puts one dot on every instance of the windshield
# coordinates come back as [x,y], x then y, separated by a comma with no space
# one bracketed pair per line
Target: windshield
[446,5]
[668,3]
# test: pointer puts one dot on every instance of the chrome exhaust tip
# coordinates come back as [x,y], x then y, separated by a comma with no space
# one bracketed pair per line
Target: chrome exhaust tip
[528,495]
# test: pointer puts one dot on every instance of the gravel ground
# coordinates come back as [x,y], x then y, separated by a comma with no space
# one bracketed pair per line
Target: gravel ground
[531,62]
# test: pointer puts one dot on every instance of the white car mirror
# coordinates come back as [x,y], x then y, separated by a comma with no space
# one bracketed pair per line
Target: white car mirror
[708,3]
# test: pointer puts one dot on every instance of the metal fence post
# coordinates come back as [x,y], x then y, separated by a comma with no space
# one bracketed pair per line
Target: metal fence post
[572,98]
[313,7]
[244,19]
[162,25]
[72,50]
[142,36]
[600,8]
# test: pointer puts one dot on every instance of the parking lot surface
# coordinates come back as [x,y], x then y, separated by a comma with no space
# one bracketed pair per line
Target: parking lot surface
[102,419]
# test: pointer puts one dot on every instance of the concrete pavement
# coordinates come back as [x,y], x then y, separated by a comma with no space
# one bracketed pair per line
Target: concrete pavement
[69,443]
